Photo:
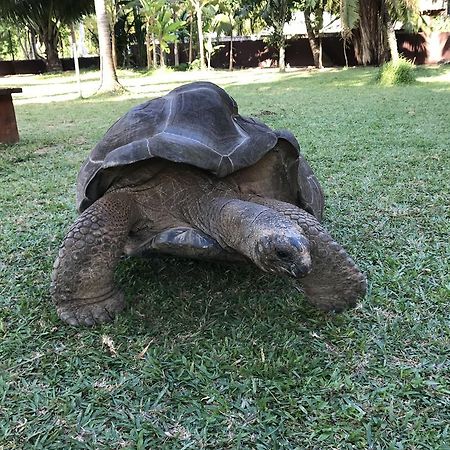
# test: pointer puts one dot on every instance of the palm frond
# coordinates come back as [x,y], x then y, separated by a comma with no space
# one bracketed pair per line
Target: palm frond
[349,16]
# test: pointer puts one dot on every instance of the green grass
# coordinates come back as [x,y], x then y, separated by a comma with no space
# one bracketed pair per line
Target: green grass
[225,357]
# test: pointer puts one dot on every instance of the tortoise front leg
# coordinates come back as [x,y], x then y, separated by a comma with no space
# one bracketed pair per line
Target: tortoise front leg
[83,288]
[335,282]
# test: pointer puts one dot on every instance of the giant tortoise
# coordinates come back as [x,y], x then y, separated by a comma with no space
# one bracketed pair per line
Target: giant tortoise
[186,175]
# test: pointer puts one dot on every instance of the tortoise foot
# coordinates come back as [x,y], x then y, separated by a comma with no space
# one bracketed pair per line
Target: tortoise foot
[88,311]
[337,297]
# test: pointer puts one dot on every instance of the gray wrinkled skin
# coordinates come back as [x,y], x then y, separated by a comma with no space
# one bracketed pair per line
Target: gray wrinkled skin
[186,175]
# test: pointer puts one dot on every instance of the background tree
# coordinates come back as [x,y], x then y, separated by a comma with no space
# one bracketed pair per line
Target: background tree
[250,16]
[160,28]
[177,9]
[198,6]
[166,30]
[149,10]
[313,12]
[108,76]
[113,11]
[348,12]
[374,33]
[225,23]
[405,11]
[8,42]
[46,17]
[276,14]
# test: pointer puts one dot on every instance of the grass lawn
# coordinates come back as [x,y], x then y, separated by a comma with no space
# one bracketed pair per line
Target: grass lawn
[225,357]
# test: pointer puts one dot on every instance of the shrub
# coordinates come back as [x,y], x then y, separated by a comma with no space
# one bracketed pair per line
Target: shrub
[195,65]
[181,67]
[396,72]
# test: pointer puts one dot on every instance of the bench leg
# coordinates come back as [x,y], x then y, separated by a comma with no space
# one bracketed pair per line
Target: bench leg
[8,125]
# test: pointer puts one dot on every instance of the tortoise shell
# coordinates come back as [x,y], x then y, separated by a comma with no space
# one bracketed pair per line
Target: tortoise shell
[196,124]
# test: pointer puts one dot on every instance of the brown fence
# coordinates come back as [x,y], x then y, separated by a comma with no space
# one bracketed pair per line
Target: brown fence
[421,48]
[35,66]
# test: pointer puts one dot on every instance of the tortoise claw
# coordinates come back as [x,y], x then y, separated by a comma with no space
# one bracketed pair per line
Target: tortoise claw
[83,312]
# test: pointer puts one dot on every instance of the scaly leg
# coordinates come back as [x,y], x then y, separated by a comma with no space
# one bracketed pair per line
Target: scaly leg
[335,282]
[82,281]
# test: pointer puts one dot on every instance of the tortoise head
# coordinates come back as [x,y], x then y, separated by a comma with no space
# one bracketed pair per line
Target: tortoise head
[283,253]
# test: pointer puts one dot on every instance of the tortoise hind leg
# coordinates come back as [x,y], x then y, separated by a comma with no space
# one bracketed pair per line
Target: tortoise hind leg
[83,288]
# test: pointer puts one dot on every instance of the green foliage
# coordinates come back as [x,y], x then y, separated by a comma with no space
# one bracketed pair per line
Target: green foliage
[224,357]
[159,23]
[405,11]
[348,11]
[396,72]
[46,18]
[8,42]
[181,67]
[438,23]
[276,14]
[195,65]
[36,13]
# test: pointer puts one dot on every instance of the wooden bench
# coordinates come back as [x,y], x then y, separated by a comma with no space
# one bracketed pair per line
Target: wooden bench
[8,125]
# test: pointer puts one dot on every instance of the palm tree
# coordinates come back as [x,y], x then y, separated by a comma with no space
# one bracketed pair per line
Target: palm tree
[45,17]
[108,76]
[177,11]
[225,22]
[149,10]
[198,6]
[373,29]
[160,26]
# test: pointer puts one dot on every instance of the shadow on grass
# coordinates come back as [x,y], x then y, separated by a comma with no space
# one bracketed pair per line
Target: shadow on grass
[169,298]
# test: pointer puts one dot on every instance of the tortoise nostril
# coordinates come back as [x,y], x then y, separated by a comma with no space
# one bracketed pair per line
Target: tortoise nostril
[283,254]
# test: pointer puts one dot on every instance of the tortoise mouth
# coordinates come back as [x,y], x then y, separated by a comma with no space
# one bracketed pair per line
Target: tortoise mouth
[300,271]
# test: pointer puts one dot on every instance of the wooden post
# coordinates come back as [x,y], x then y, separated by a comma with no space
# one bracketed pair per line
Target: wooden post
[8,125]
[75,60]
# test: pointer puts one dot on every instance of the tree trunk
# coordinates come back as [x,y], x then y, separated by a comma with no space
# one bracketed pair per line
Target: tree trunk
[198,10]
[113,21]
[81,47]
[108,76]
[208,52]
[369,38]
[52,59]
[230,66]
[24,45]
[162,56]
[390,33]
[113,48]
[344,43]
[176,54]
[155,56]
[314,41]
[49,36]
[148,46]
[141,39]
[75,60]
[191,31]
[282,57]
[34,53]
